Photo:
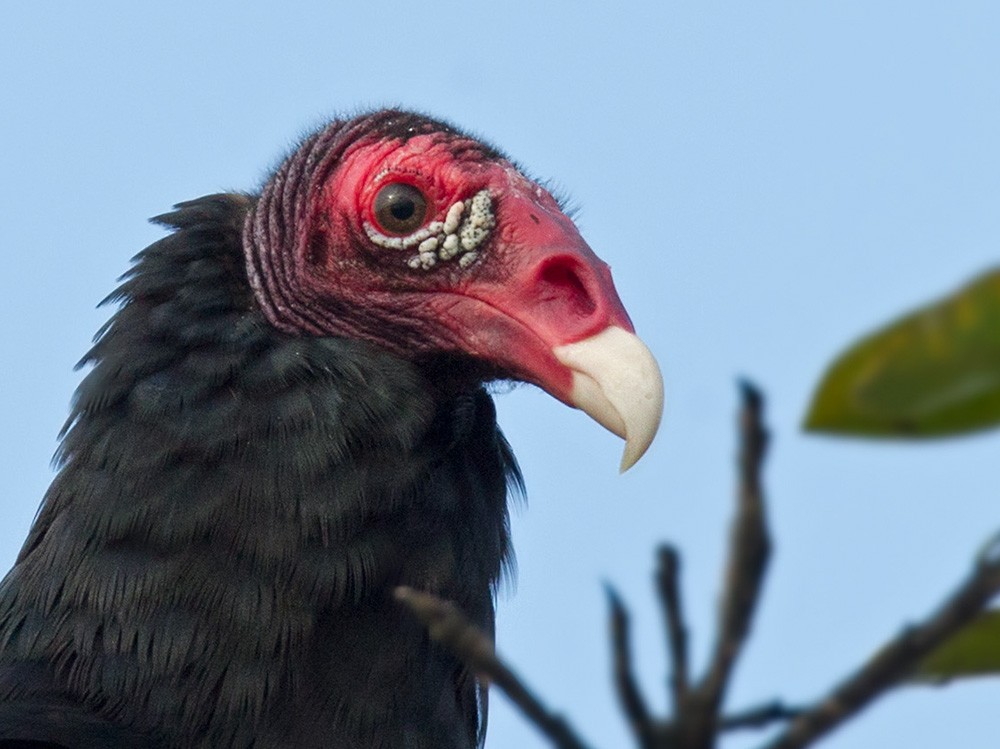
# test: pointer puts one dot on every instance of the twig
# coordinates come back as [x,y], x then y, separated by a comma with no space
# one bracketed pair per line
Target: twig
[897,659]
[448,626]
[668,584]
[759,717]
[749,549]
[631,699]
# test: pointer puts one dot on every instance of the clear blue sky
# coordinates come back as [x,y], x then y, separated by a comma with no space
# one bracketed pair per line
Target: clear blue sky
[768,180]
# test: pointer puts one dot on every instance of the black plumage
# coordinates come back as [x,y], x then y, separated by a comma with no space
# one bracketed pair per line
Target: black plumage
[213,564]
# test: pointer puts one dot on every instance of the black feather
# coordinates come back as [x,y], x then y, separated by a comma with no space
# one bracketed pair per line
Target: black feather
[213,565]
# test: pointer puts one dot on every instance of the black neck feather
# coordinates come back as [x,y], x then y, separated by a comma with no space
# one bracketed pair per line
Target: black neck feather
[215,560]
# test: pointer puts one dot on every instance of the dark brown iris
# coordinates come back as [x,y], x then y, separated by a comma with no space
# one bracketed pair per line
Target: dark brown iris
[400,208]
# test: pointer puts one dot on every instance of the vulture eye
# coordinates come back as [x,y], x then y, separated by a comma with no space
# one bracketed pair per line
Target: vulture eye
[400,208]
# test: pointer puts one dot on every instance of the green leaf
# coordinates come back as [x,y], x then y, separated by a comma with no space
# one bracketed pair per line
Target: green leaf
[973,651]
[932,373]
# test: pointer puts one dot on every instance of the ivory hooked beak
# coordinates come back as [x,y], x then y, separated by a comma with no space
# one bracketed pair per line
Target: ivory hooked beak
[617,382]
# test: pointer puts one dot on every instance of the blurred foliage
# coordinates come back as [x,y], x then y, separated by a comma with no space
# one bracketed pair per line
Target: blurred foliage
[934,372]
[974,651]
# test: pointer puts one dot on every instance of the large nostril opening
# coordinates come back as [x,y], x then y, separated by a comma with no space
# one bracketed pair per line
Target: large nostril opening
[562,289]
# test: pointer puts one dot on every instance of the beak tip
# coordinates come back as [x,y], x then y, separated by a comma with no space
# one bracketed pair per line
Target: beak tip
[627,462]
[636,447]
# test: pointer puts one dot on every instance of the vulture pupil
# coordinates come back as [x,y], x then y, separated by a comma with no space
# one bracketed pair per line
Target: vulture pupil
[400,208]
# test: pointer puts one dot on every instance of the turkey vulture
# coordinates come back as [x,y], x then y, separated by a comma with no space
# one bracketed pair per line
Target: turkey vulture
[286,419]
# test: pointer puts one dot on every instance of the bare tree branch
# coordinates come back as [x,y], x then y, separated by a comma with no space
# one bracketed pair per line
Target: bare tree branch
[668,585]
[629,695]
[896,659]
[759,717]
[749,550]
[449,626]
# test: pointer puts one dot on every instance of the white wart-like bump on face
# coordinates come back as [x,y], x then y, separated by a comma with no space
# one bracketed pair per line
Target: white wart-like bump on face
[458,238]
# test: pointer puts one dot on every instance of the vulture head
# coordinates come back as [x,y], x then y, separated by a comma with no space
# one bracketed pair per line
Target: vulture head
[284,422]
[401,231]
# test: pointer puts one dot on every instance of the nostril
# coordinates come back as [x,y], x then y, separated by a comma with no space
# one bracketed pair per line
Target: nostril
[562,288]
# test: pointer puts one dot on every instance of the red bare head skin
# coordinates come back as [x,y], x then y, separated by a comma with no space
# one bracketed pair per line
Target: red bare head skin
[322,263]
